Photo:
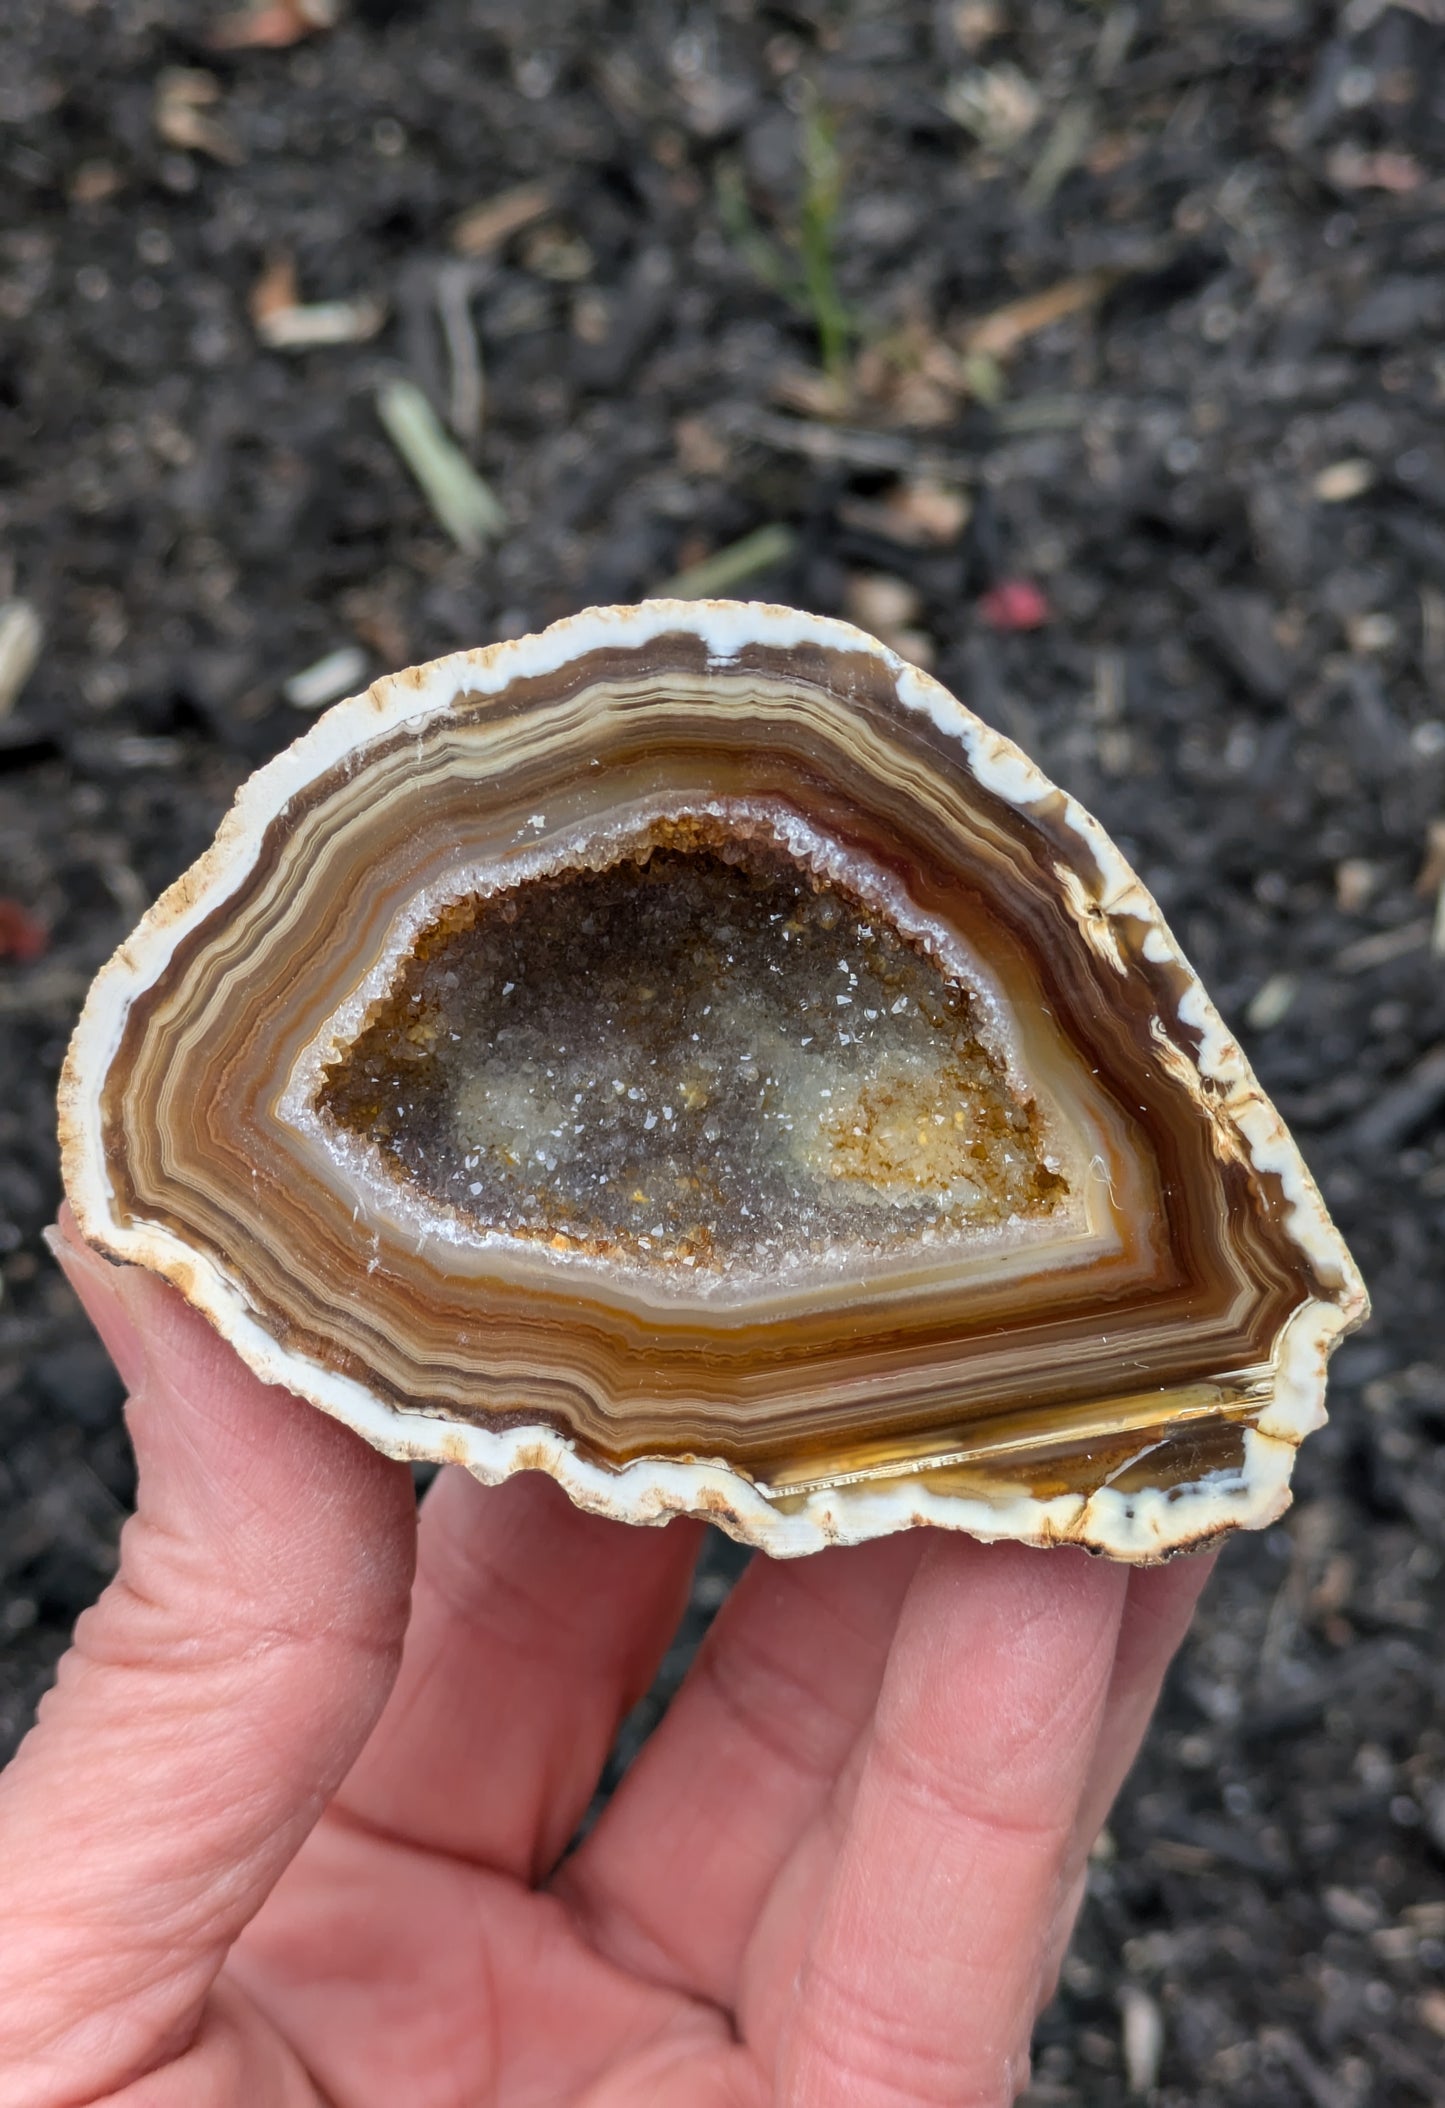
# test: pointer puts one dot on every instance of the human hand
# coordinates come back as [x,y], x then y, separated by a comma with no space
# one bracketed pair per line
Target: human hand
[273,1846]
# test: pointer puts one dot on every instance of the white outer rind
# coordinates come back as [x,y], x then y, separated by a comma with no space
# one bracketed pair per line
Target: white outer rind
[1138,1526]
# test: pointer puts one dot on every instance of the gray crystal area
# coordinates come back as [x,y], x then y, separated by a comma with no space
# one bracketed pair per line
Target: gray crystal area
[706,1057]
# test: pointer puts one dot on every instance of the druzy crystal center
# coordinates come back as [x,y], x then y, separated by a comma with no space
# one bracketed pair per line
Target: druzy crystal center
[705,1057]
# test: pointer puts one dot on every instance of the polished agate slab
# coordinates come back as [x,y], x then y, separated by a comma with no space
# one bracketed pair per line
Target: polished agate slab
[688,1053]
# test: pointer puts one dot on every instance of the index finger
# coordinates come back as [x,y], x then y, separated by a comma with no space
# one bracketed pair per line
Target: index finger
[211,1702]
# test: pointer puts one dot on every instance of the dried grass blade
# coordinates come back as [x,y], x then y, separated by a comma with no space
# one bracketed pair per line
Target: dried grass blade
[464,505]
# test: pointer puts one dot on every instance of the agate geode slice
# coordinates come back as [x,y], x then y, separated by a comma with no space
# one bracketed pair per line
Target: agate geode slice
[686,1052]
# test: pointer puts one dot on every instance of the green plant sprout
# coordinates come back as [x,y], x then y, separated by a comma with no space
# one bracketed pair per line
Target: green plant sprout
[804,271]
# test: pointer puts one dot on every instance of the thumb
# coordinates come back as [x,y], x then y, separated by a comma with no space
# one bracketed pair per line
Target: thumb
[210,1704]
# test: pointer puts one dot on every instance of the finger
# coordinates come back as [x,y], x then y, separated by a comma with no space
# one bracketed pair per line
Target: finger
[534,1629]
[211,1701]
[1157,1610]
[1160,1603]
[921,1976]
[671,1882]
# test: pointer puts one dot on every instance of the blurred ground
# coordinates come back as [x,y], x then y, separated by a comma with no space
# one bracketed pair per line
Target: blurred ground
[1208,465]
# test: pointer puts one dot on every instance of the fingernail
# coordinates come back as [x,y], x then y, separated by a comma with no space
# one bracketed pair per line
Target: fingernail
[104,1289]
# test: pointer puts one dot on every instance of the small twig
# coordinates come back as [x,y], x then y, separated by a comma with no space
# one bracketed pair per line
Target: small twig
[1383,946]
[456,284]
[997,334]
[20,640]
[1063,150]
[728,567]
[482,229]
[464,505]
[848,446]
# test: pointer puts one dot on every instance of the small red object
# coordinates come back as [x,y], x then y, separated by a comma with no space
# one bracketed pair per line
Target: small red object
[21,936]
[1014,603]
[271,28]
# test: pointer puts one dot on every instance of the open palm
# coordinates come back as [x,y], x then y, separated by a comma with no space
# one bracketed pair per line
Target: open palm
[295,1831]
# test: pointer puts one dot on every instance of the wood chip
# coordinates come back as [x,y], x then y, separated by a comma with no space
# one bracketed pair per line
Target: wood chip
[273,25]
[995,336]
[977,22]
[1272,1002]
[1350,1909]
[322,322]
[914,645]
[482,229]
[1355,881]
[1355,168]
[930,510]
[1142,2032]
[701,450]
[284,322]
[998,105]
[184,95]
[340,673]
[276,289]
[1343,480]
[881,604]
[94,182]
[919,514]
[558,256]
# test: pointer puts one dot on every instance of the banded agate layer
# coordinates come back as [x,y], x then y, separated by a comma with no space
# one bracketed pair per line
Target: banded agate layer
[686,1052]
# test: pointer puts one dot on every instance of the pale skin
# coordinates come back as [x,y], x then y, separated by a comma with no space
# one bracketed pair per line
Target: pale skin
[294,1827]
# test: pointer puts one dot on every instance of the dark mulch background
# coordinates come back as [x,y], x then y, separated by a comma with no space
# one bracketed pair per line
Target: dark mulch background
[1244,676]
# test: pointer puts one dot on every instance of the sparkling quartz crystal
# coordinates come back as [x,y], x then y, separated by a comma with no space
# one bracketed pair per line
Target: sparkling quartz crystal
[705,1057]
[686,1052]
